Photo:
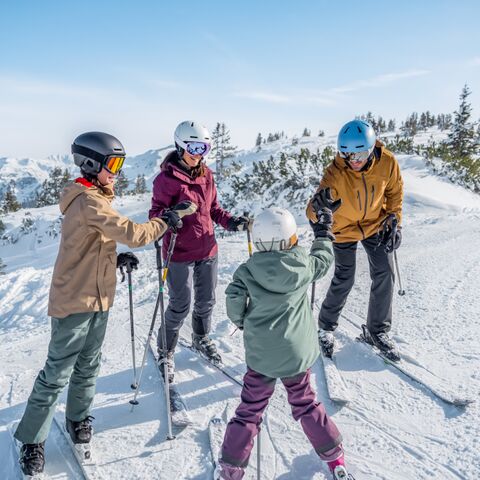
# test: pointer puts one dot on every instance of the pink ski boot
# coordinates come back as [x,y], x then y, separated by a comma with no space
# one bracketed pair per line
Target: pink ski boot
[338,469]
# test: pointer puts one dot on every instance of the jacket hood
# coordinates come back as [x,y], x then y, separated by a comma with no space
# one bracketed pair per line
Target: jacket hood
[70,193]
[279,272]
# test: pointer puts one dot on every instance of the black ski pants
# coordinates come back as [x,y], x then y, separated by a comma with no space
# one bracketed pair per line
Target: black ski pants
[202,274]
[379,318]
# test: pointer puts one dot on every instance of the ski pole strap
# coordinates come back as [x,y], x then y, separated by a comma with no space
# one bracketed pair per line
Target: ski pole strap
[122,272]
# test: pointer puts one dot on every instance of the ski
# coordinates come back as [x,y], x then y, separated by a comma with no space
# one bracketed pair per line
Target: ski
[414,371]
[216,431]
[336,388]
[82,452]
[178,409]
[60,460]
[231,373]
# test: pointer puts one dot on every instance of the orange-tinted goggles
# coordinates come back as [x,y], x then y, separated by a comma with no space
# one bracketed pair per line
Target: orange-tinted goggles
[114,164]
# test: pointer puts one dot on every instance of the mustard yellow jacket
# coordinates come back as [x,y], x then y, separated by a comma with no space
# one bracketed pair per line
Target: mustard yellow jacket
[368,197]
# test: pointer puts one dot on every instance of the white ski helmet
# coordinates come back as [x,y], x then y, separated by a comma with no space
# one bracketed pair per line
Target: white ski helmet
[191,132]
[274,229]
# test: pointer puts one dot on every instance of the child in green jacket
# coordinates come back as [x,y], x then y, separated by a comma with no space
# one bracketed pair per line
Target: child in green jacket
[268,300]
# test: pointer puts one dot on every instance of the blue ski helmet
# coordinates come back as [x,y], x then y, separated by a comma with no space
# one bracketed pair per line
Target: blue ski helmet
[356,136]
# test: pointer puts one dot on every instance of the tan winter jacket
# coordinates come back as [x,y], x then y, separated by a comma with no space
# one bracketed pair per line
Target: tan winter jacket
[367,197]
[84,276]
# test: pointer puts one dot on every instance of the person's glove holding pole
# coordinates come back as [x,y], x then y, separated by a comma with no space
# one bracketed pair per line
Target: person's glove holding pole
[173,216]
[391,235]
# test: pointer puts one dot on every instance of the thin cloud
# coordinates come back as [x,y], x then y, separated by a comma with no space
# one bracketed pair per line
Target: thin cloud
[378,81]
[333,95]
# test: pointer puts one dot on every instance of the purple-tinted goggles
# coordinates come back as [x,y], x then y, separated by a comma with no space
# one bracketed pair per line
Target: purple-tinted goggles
[198,148]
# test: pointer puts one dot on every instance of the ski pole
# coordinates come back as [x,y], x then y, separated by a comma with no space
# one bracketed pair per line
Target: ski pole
[159,303]
[132,326]
[401,291]
[249,235]
[259,435]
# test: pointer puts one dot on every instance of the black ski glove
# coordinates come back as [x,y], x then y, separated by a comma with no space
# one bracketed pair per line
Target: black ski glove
[391,235]
[238,224]
[323,227]
[127,260]
[323,199]
[172,219]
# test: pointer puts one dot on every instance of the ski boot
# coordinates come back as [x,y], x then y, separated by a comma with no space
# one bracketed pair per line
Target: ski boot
[204,344]
[383,342]
[327,342]
[338,469]
[32,459]
[81,435]
[168,358]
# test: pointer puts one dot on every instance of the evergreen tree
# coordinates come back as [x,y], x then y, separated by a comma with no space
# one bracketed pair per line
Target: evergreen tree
[52,187]
[2,267]
[258,141]
[222,148]
[140,184]
[391,125]
[461,140]
[121,184]
[321,133]
[10,203]
[306,132]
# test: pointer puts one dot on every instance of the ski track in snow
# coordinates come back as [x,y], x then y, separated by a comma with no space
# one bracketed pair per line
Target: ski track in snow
[392,428]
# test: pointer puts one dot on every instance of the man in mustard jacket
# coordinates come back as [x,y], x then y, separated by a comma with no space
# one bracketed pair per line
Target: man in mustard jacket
[82,292]
[367,179]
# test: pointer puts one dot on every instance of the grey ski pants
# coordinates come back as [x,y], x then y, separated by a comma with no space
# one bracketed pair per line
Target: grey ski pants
[181,275]
[73,356]
[379,318]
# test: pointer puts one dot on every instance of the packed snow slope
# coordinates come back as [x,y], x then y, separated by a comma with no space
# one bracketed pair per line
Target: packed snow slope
[393,429]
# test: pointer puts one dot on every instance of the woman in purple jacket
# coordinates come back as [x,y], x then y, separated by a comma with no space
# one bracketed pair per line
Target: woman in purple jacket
[184,176]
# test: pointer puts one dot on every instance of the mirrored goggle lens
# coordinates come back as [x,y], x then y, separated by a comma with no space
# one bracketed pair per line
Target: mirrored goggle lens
[197,148]
[356,157]
[114,164]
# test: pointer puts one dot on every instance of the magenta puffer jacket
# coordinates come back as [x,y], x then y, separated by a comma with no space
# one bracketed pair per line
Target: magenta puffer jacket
[196,239]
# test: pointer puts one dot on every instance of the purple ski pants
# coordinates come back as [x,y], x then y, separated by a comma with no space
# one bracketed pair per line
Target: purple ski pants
[244,426]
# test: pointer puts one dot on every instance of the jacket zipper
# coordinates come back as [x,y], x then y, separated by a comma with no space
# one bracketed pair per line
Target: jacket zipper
[373,193]
[366,195]
[359,201]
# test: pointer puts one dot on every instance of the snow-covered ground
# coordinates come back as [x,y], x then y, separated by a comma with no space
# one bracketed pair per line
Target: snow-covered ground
[393,429]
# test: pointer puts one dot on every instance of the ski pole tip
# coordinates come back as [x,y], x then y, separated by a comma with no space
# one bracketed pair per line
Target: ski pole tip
[133,402]
[133,386]
[401,293]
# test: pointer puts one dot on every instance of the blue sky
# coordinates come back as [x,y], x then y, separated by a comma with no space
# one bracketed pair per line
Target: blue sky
[137,68]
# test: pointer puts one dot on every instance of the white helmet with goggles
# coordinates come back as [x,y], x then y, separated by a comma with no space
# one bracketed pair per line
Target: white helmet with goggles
[193,138]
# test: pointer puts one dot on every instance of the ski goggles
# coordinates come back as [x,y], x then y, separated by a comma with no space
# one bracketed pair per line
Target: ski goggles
[356,157]
[114,164]
[197,148]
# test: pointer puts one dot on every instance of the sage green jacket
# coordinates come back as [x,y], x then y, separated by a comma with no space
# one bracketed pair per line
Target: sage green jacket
[268,299]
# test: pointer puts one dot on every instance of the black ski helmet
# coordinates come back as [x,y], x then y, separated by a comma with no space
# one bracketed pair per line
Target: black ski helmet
[91,150]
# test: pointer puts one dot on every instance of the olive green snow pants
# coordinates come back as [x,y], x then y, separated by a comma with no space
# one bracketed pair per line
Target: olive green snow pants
[73,355]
